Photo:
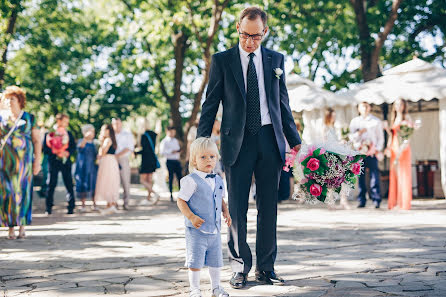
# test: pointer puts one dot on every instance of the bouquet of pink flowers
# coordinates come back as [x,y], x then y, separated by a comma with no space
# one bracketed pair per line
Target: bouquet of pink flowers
[323,174]
[58,142]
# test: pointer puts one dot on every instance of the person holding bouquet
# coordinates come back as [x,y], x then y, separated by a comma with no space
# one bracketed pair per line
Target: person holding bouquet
[108,180]
[398,149]
[20,150]
[368,138]
[60,146]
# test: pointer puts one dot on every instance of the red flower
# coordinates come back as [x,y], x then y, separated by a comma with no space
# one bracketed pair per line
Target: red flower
[356,168]
[313,164]
[315,190]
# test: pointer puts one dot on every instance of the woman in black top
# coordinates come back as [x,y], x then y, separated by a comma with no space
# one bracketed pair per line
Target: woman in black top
[149,164]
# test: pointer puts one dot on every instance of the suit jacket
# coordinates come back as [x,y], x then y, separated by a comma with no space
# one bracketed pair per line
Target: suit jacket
[52,157]
[226,85]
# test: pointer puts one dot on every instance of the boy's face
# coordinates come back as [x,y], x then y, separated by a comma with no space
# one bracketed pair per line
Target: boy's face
[206,161]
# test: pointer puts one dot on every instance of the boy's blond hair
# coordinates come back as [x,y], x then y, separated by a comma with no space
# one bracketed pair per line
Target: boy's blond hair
[199,145]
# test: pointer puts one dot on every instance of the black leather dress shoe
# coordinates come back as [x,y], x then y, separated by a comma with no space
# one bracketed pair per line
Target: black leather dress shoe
[238,280]
[269,278]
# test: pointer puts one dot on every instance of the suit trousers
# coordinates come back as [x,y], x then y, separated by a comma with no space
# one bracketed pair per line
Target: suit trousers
[54,167]
[174,168]
[375,194]
[259,155]
[125,173]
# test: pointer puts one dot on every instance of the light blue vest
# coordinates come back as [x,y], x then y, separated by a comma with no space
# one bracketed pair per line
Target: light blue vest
[206,203]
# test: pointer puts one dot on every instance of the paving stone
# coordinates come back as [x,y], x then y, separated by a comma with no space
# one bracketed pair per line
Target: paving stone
[321,252]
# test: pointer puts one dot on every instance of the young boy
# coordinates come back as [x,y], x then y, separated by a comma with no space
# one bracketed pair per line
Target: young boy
[201,202]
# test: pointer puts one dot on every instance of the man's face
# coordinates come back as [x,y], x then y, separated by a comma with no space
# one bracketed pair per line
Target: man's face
[171,133]
[363,108]
[117,125]
[251,27]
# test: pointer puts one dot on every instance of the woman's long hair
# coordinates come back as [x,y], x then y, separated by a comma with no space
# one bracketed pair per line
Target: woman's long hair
[328,116]
[111,133]
[394,111]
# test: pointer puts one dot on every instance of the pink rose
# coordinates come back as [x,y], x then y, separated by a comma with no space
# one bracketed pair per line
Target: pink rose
[315,190]
[356,168]
[313,164]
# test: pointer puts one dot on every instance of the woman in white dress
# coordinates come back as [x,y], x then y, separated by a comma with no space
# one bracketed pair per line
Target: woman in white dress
[108,180]
[329,135]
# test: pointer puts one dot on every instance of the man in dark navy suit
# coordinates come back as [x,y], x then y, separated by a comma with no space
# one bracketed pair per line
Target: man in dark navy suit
[249,81]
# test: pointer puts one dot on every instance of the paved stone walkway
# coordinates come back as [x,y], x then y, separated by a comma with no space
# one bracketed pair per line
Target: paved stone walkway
[322,252]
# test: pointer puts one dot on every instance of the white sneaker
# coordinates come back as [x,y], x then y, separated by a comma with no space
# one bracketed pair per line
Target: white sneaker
[113,209]
[219,292]
[195,293]
[145,202]
[155,199]
[83,209]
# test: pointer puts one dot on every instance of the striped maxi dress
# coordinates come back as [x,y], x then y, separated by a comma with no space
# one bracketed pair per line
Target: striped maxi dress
[16,172]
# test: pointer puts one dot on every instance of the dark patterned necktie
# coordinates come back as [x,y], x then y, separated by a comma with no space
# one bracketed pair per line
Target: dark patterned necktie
[211,175]
[253,119]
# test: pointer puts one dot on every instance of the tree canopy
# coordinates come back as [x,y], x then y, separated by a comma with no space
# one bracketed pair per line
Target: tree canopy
[98,59]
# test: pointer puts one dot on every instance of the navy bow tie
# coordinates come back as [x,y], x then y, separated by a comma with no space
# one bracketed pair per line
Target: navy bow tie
[211,175]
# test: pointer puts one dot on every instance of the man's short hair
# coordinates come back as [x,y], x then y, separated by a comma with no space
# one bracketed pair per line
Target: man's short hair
[252,13]
[170,128]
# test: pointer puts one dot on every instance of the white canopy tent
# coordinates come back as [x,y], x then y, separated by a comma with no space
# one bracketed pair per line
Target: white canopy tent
[414,81]
[312,100]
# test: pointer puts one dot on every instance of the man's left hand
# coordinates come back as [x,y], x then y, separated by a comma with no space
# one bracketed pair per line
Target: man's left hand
[297,147]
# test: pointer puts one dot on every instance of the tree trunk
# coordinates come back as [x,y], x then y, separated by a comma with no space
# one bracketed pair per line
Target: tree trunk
[371,48]
[180,47]
[8,35]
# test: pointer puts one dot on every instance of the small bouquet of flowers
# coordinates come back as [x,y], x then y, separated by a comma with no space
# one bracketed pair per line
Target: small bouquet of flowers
[404,133]
[58,142]
[324,172]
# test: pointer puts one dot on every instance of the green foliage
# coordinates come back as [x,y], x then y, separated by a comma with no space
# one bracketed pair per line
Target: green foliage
[98,59]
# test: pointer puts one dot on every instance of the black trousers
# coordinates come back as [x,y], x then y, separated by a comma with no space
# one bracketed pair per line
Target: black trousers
[54,167]
[259,155]
[174,168]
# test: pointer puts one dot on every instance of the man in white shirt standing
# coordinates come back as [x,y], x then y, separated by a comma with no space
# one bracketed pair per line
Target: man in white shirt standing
[367,128]
[170,148]
[126,146]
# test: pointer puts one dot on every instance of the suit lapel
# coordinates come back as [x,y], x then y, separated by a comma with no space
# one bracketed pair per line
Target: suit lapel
[267,71]
[236,67]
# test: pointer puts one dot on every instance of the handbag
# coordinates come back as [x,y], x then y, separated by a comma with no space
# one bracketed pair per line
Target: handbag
[153,149]
[9,157]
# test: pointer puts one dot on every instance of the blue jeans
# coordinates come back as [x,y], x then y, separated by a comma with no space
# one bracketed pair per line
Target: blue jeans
[375,193]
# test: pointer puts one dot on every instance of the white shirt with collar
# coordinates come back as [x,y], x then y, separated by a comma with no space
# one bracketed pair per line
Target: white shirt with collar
[257,59]
[169,148]
[188,185]
[374,130]
[124,139]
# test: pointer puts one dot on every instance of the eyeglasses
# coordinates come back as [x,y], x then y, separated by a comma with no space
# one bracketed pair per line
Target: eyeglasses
[255,37]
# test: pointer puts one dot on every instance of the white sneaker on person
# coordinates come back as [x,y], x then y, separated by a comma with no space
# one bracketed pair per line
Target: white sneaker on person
[219,292]
[145,202]
[155,199]
[195,293]
[83,209]
[113,209]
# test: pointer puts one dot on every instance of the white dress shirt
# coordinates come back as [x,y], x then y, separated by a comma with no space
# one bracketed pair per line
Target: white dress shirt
[188,187]
[374,133]
[124,139]
[257,59]
[169,147]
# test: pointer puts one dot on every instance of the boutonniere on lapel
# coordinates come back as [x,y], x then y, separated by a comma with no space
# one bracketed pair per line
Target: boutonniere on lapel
[278,72]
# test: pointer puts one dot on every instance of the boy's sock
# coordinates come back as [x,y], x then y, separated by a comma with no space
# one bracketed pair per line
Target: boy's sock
[214,274]
[194,279]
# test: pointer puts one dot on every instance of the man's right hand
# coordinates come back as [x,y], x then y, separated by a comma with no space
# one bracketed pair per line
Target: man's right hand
[196,221]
